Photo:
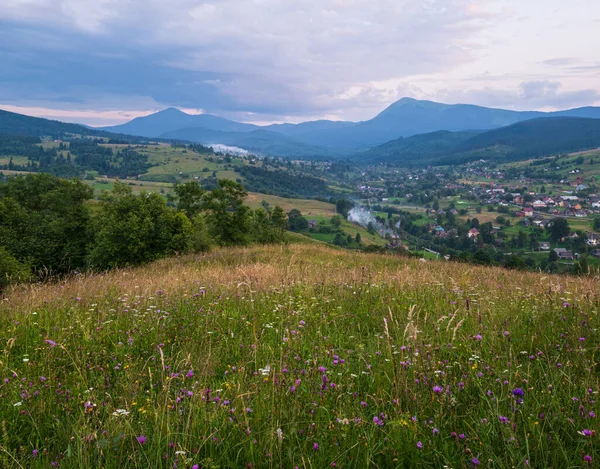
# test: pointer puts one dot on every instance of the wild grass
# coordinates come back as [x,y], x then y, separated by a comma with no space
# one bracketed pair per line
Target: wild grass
[301,356]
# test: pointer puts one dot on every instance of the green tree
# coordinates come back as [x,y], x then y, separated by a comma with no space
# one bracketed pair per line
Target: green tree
[296,222]
[134,229]
[552,256]
[343,206]
[227,217]
[11,270]
[597,223]
[558,228]
[189,198]
[336,221]
[44,221]
[357,238]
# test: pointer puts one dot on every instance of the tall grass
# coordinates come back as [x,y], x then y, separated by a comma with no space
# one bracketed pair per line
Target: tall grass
[301,356]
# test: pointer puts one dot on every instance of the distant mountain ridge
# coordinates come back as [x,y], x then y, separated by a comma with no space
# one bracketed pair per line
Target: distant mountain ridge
[404,118]
[527,139]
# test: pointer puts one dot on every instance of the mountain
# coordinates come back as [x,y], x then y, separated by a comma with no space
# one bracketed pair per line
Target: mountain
[12,123]
[262,142]
[404,118]
[418,147]
[18,124]
[172,119]
[408,117]
[298,130]
[528,139]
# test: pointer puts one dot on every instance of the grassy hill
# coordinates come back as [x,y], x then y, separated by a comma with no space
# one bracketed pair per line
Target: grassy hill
[301,356]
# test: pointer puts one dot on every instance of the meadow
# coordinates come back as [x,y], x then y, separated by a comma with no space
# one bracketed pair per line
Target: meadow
[301,356]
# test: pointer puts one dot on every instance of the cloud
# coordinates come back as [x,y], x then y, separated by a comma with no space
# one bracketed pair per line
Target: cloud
[530,95]
[268,57]
[275,59]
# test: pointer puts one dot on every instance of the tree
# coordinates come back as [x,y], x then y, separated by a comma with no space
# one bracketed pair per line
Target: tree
[227,217]
[340,240]
[357,238]
[135,229]
[558,228]
[336,221]
[44,221]
[552,256]
[11,270]
[343,206]
[296,222]
[597,223]
[189,198]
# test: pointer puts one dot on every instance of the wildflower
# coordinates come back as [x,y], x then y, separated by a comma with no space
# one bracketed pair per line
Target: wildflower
[34,453]
[435,431]
[586,432]
[51,343]
[316,447]
[518,392]
[419,445]
[437,389]
[478,337]
[475,462]
[189,374]
[377,421]
[587,458]
[142,439]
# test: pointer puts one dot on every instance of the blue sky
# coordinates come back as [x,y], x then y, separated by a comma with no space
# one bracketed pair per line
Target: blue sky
[104,62]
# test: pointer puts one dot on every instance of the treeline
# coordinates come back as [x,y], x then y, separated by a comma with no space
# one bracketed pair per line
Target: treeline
[72,159]
[282,183]
[50,226]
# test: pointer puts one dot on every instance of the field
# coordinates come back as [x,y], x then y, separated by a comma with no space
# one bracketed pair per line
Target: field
[301,356]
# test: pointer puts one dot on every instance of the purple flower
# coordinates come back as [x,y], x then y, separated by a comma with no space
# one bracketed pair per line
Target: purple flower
[437,389]
[189,374]
[316,447]
[142,439]
[195,466]
[377,421]
[475,462]
[51,343]
[419,445]
[34,453]
[587,432]
[587,458]
[478,337]
[503,419]
[518,392]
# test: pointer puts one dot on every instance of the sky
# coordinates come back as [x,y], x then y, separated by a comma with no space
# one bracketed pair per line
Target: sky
[104,62]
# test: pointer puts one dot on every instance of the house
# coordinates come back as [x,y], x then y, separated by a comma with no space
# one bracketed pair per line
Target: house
[544,246]
[593,239]
[559,250]
[566,255]
[539,204]
[528,212]
[596,253]
[473,233]
[313,224]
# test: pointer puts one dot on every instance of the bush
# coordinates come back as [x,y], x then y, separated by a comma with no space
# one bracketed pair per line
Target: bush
[11,270]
